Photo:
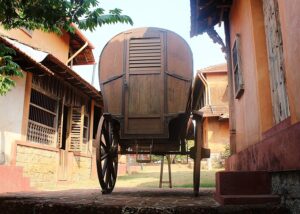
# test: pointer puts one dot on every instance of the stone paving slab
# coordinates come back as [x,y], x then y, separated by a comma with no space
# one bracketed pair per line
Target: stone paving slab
[122,200]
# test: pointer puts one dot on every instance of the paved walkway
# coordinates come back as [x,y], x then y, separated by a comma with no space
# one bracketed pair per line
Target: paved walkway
[134,200]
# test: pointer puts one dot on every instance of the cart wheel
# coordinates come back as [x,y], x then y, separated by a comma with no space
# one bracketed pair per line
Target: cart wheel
[107,155]
[197,159]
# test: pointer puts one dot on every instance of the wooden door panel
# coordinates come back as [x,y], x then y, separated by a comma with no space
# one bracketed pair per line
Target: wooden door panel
[112,93]
[177,94]
[144,85]
[144,95]
[280,101]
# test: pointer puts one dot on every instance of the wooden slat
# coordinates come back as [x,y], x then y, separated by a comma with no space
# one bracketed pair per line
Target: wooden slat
[150,61]
[145,54]
[144,45]
[145,69]
[139,58]
[144,48]
[144,40]
[144,51]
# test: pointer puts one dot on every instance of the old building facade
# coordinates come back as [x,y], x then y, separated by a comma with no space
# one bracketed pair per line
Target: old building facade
[49,120]
[212,84]
[262,48]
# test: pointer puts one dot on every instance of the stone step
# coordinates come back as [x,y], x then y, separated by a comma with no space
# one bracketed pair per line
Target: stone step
[12,179]
[246,199]
[243,183]
[238,187]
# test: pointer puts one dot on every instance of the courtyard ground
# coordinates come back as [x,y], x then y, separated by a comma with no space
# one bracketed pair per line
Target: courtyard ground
[125,201]
[148,177]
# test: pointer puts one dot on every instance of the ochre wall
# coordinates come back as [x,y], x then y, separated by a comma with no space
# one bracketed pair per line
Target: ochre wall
[49,42]
[290,27]
[217,134]
[261,66]
[247,113]
[253,111]
[218,88]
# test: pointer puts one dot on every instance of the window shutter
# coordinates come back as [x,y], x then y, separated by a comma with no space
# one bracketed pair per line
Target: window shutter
[76,128]
[144,54]
[237,71]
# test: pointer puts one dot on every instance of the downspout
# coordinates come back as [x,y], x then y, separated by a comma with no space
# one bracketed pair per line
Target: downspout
[77,52]
[207,91]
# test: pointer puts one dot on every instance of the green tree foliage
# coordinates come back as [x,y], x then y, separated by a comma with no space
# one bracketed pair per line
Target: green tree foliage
[50,16]
[8,69]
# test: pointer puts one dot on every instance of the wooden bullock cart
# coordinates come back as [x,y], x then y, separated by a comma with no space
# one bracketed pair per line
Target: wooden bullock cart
[145,77]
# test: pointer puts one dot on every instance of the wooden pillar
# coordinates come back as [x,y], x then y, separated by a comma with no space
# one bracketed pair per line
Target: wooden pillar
[90,146]
[27,95]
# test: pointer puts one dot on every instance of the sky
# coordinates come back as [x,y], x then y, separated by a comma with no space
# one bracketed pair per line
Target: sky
[173,15]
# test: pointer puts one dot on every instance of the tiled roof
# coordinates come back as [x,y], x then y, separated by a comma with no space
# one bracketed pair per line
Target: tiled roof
[215,111]
[215,68]
[30,60]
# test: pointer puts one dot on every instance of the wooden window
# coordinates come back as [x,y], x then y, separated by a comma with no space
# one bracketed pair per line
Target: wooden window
[237,72]
[85,129]
[76,129]
[42,118]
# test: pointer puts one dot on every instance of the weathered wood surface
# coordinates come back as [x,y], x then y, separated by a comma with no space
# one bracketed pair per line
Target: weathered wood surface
[145,78]
[276,61]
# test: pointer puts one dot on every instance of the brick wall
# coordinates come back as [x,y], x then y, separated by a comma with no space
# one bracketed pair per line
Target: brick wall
[38,164]
[81,168]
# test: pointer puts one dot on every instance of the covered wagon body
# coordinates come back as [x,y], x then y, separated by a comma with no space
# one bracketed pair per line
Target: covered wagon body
[145,78]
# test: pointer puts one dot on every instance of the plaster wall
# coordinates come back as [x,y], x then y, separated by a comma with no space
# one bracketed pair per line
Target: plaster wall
[57,45]
[11,115]
[217,134]
[290,27]
[218,88]
[247,112]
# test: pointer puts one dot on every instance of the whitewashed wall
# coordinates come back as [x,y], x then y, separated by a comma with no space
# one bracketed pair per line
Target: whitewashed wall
[11,113]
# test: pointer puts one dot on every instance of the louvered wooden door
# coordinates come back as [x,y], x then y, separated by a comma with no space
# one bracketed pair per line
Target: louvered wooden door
[280,101]
[143,86]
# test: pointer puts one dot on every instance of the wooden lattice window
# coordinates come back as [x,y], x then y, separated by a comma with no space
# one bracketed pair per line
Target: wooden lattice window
[237,72]
[76,129]
[42,118]
[85,128]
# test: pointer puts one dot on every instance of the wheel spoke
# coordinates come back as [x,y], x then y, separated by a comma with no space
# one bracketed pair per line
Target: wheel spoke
[104,156]
[113,171]
[104,167]
[103,146]
[106,137]
[107,176]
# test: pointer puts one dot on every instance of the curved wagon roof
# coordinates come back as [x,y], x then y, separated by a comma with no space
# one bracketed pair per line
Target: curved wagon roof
[145,74]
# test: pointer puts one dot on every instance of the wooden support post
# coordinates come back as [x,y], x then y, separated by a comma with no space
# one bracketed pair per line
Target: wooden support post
[169,169]
[162,171]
